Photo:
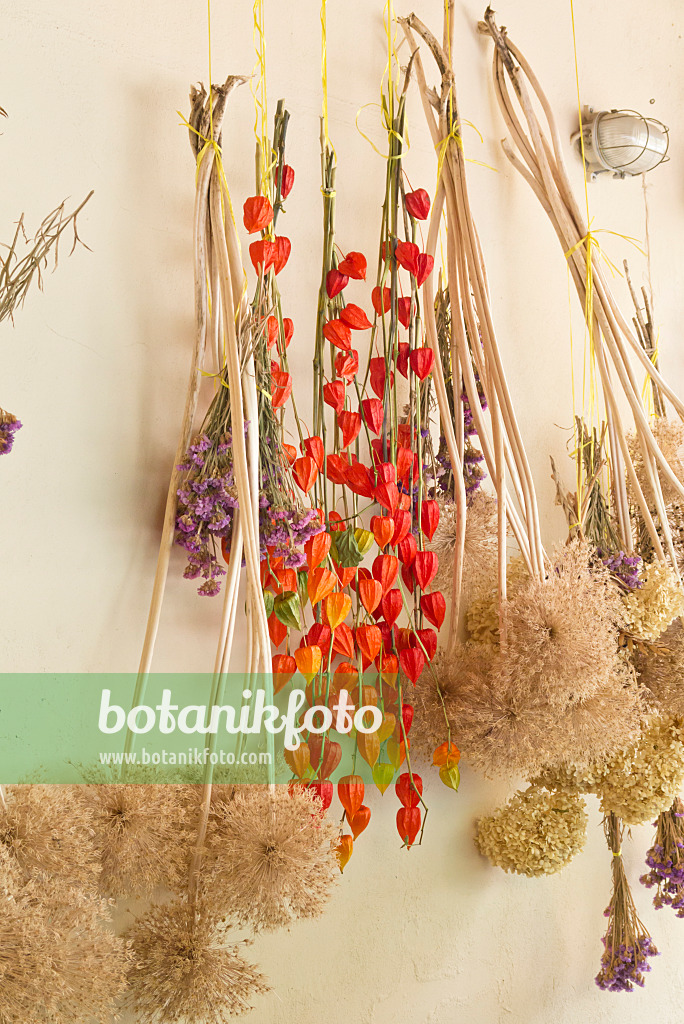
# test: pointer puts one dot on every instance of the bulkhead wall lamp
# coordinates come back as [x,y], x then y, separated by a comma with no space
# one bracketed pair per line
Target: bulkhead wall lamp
[622,142]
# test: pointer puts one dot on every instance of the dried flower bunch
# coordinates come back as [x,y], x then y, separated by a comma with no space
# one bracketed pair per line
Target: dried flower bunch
[561,633]
[669,436]
[185,970]
[651,609]
[627,946]
[665,860]
[643,780]
[141,835]
[9,425]
[480,546]
[271,855]
[59,962]
[661,670]
[48,831]
[535,833]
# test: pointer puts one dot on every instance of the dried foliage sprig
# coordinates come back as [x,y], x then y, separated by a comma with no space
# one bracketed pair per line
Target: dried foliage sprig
[17,273]
[627,944]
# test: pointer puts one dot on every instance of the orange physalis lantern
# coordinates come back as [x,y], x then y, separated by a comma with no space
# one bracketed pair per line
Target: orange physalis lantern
[355,318]
[408,824]
[257,213]
[308,660]
[316,549]
[305,471]
[284,667]
[344,850]
[354,265]
[350,791]
[336,607]
[370,594]
[383,529]
[321,582]
[446,755]
[359,823]
[298,760]
[369,639]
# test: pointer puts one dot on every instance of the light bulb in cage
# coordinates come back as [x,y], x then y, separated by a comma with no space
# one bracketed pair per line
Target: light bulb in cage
[622,142]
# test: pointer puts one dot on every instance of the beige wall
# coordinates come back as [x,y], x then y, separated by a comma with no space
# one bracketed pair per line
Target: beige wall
[96,369]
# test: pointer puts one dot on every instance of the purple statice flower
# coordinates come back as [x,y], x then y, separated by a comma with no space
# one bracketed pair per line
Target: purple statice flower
[9,425]
[286,531]
[624,967]
[624,568]
[666,861]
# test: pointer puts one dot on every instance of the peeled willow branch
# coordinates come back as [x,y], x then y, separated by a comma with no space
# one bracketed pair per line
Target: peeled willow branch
[471,314]
[201,124]
[540,161]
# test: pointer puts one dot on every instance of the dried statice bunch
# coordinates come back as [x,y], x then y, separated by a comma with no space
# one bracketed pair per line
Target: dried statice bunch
[665,860]
[623,568]
[186,971]
[561,632]
[649,610]
[480,552]
[271,857]
[669,435]
[9,425]
[499,725]
[207,498]
[140,837]
[627,944]
[48,830]
[643,780]
[535,833]
[59,962]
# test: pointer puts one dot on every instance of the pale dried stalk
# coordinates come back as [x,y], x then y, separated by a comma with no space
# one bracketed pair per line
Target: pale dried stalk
[447,425]
[613,337]
[200,228]
[466,272]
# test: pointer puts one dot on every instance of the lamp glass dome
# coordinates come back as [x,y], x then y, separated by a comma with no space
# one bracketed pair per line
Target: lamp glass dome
[626,141]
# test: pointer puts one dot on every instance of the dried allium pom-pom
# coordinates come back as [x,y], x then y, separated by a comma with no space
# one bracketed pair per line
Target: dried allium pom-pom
[58,960]
[185,971]
[271,858]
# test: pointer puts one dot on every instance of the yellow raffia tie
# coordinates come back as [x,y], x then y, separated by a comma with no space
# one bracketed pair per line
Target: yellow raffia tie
[324,73]
[387,107]
[647,389]
[260,97]
[211,143]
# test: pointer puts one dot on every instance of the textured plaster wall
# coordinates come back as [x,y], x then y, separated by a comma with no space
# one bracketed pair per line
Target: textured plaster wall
[96,368]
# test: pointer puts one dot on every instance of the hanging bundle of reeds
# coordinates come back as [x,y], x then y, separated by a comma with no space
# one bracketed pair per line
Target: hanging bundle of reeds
[535,151]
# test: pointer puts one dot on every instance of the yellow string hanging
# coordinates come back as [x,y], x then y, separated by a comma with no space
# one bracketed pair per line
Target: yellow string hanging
[211,143]
[260,98]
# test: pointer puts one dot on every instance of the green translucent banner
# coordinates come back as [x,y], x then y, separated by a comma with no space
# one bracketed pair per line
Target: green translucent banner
[81,728]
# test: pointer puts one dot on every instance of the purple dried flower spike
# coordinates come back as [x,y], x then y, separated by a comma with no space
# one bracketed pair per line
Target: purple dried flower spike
[9,425]
[624,967]
[625,568]
[666,861]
